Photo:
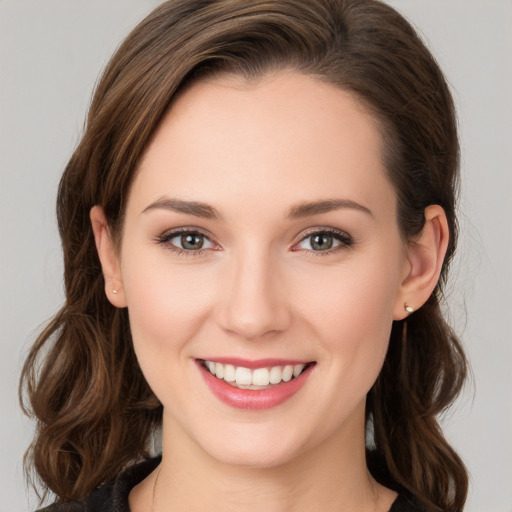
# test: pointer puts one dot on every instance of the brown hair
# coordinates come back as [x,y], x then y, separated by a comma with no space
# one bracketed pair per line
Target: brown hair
[95,412]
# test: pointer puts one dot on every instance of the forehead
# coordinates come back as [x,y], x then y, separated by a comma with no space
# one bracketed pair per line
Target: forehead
[285,137]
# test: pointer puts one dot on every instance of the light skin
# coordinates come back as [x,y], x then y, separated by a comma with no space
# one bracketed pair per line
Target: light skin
[257,170]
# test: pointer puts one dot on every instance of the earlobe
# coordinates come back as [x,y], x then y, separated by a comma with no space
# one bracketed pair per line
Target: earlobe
[109,258]
[425,256]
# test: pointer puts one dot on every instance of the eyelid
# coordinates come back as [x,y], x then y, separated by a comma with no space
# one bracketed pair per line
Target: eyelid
[167,235]
[345,238]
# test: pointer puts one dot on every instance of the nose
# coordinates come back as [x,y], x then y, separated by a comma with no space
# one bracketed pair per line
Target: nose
[254,302]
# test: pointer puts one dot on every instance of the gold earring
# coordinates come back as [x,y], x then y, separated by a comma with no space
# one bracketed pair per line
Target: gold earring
[408,308]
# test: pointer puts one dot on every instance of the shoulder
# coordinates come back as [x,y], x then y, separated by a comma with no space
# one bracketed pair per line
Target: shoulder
[403,504]
[112,497]
[99,499]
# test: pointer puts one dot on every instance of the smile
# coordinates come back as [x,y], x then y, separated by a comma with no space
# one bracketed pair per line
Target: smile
[267,384]
[259,378]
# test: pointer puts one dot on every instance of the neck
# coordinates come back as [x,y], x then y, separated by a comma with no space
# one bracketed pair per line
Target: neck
[330,477]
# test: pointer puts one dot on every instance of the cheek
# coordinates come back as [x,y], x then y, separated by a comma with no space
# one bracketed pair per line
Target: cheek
[361,296]
[351,312]
[166,305]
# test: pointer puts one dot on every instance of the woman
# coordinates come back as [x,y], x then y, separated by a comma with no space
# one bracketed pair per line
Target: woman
[256,226]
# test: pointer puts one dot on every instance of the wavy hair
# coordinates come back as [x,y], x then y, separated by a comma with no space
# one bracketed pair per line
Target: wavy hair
[81,381]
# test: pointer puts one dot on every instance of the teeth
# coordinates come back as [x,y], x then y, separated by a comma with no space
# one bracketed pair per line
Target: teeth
[287,373]
[219,370]
[297,369]
[229,373]
[275,375]
[261,377]
[243,376]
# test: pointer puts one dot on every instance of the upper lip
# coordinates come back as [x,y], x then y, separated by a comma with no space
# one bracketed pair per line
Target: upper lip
[254,364]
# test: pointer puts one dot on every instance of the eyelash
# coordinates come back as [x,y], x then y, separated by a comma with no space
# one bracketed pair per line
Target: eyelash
[166,238]
[346,241]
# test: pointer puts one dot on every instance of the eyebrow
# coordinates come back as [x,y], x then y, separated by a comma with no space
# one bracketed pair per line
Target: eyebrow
[305,209]
[316,207]
[195,208]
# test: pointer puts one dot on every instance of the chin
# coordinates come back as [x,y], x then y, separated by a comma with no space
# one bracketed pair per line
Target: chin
[249,448]
[254,457]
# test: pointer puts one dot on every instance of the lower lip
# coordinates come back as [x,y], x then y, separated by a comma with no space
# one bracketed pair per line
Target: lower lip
[251,398]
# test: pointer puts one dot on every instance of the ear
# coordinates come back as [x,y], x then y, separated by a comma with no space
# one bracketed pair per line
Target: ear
[108,257]
[425,256]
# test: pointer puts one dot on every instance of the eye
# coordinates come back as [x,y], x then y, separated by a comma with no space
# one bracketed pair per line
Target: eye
[324,241]
[186,241]
[190,241]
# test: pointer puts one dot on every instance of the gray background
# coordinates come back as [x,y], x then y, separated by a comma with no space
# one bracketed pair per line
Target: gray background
[51,52]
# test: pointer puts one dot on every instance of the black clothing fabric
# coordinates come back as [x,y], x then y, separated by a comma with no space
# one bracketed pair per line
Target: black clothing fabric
[114,497]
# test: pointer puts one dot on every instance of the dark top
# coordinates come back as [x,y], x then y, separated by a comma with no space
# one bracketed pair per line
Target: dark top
[113,497]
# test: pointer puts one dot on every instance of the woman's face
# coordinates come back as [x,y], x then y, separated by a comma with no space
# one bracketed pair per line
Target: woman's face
[260,239]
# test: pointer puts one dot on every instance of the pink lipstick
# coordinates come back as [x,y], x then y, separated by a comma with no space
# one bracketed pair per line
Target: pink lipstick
[254,384]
